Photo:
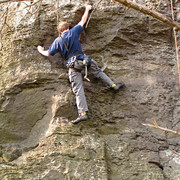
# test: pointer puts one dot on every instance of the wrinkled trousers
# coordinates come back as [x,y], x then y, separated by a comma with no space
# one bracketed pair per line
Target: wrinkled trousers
[76,80]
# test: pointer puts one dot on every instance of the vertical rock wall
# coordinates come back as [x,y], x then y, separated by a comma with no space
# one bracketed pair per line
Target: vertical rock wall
[36,103]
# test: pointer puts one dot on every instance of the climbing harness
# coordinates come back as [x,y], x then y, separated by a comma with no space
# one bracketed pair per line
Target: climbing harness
[70,63]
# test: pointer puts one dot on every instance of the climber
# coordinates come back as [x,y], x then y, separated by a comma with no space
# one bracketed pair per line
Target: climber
[69,46]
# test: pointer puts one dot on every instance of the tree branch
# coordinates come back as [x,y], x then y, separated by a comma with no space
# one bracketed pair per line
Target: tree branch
[7,13]
[175,152]
[6,1]
[161,128]
[150,12]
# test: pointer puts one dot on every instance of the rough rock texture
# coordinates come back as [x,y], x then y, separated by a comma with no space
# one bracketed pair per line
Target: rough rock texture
[37,140]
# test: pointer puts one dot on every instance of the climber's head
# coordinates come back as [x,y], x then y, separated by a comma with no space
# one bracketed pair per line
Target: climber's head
[62,26]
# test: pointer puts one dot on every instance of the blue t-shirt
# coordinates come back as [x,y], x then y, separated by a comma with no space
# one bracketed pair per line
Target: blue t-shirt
[71,39]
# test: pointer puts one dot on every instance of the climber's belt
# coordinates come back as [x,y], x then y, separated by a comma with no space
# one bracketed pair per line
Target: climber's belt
[75,66]
[71,59]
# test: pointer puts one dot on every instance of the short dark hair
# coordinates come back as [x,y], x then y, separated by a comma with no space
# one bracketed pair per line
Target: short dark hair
[63,25]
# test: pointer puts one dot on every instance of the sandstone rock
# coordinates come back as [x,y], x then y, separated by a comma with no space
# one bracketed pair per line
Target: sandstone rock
[11,153]
[37,140]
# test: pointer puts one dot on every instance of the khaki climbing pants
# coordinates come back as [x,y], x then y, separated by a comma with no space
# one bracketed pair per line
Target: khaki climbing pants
[76,80]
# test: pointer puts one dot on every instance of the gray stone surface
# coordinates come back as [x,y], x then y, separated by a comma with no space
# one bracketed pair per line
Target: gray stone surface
[37,140]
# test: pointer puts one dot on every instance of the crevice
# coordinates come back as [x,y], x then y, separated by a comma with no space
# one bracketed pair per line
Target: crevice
[158,164]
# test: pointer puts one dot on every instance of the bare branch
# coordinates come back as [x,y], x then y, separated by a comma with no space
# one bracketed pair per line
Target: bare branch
[155,123]
[5,20]
[175,152]
[6,1]
[161,128]
[27,7]
[152,13]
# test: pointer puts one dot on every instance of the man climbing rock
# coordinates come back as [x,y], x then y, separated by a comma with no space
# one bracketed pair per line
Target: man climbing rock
[69,46]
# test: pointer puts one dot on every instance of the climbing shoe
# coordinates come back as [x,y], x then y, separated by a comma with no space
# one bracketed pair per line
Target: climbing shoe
[79,119]
[117,86]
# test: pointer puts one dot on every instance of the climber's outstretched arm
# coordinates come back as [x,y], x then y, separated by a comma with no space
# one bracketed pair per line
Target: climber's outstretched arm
[85,15]
[42,51]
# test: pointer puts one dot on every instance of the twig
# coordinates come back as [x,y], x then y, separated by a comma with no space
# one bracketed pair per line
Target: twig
[155,123]
[6,1]
[4,13]
[7,13]
[27,6]
[28,10]
[175,152]
[161,128]
[32,4]
[5,20]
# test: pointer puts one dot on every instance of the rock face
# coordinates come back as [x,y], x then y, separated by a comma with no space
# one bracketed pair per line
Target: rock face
[37,140]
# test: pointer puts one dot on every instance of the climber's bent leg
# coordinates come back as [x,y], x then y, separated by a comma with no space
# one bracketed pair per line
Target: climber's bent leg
[98,73]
